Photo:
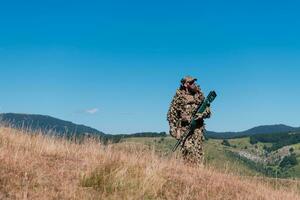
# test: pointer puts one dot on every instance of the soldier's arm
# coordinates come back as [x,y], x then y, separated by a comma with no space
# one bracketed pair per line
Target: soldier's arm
[207,112]
[174,115]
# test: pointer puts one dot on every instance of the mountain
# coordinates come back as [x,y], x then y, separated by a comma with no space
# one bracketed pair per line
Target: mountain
[46,124]
[266,129]
[278,128]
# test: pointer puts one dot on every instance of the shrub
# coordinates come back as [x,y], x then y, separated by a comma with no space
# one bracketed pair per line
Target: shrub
[253,140]
[225,143]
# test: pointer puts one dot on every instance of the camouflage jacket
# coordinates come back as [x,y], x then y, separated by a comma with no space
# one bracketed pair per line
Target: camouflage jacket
[181,110]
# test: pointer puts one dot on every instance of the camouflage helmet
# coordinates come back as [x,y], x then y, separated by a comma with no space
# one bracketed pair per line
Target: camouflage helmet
[187,79]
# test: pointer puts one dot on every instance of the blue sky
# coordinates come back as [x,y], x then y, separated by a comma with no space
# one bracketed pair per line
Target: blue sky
[115,65]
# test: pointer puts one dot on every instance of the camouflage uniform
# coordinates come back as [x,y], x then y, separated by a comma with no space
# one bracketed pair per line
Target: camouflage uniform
[183,105]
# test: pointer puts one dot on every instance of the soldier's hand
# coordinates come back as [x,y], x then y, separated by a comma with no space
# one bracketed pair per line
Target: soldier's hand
[178,134]
[205,114]
[199,116]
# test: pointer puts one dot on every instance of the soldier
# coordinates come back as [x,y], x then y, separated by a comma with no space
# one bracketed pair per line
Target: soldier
[185,102]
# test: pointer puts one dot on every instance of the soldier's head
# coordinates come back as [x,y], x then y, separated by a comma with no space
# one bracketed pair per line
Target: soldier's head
[188,84]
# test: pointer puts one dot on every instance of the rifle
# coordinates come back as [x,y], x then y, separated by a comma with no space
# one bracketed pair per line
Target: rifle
[192,126]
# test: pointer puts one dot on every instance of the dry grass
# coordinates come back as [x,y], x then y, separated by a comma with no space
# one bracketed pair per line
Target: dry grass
[40,167]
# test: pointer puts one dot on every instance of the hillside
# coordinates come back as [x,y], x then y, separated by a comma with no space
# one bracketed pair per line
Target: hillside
[35,166]
[270,155]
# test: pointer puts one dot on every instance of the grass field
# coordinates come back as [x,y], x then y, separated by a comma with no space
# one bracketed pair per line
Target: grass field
[35,166]
[215,153]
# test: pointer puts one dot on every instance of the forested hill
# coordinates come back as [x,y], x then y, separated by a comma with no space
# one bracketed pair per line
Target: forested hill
[46,124]
[267,129]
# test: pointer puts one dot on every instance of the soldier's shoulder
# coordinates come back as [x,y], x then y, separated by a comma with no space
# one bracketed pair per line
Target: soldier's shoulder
[180,93]
[178,98]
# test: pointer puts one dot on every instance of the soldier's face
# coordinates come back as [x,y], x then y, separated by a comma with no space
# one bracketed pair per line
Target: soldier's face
[192,87]
[191,84]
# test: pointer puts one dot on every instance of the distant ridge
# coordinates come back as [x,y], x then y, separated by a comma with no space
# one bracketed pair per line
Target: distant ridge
[50,125]
[46,124]
[265,129]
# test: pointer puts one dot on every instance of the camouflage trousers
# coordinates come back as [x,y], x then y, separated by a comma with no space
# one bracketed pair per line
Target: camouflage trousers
[192,150]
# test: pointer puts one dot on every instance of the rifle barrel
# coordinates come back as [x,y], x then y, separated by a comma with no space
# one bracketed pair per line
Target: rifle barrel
[176,145]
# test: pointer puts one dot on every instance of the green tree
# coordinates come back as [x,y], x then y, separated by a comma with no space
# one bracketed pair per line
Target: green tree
[288,161]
